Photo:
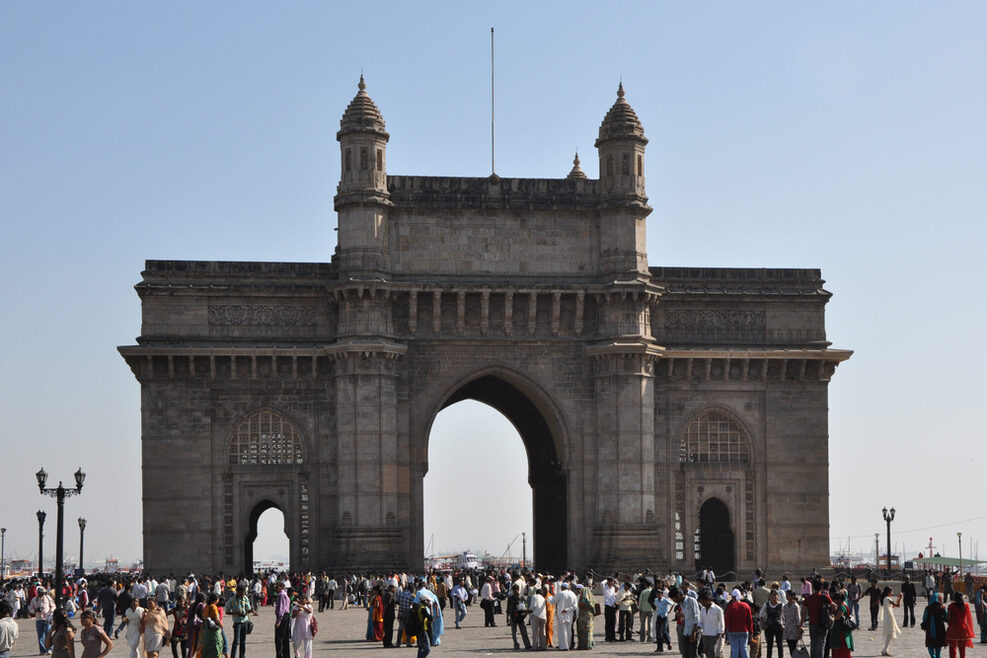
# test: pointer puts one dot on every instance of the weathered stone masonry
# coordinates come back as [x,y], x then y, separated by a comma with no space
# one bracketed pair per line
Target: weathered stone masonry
[648,398]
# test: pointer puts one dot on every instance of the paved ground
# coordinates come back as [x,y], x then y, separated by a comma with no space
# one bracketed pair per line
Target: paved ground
[340,632]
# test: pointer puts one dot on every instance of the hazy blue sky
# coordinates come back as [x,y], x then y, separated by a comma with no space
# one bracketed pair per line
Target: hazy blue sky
[847,136]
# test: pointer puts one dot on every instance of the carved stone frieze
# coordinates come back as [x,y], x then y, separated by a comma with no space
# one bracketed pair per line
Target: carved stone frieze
[691,320]
[262,316]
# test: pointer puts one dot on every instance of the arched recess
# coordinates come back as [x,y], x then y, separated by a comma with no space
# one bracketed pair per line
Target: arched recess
[540,426]
[248,540]
[716,542]
[266,466]
[715,460]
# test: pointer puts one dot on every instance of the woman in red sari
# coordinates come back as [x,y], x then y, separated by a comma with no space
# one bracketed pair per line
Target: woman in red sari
[960,632]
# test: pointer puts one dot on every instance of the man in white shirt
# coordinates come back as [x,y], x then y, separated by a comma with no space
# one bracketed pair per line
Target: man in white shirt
[565,603]
[609,610]
[459,598]
[8,629]
[42,607]
[690,621]
[487,603]
[712,626]
[539,617]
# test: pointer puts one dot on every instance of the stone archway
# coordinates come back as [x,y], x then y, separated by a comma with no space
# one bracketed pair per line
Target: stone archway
[248,540]
[716,541]
[548,482]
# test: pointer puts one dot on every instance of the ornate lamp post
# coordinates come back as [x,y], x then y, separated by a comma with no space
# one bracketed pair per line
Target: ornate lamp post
[59,493]
[82,533]
[41,542]
[3,544]
[888,518]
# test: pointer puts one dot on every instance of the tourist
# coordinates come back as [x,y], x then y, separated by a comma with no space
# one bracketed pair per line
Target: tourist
[645,610]
[841,635]
[739,625]
[123,605]
[981,606]
[771,616]
[662,605]
[889,624]
[405,601]
[435,627]
[584,620]
[539,618]
[934,625]
[959,634]
[459,598]
[517,611]
[211,638]
[154,627]
[689,609]
[626,601]
[712,626]
[487,600]
[609,610]
[96,643]
[238,607]
[566,605]
[791,616]
[61,636]
[42,606]
[282,621]
[301,627]
[8,628]
[909,598]
[421,618]
[179,629]
[388,600]
[132,623]
[874,592]
[818,607]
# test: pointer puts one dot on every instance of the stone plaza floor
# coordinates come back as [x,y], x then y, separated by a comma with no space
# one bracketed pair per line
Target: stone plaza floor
[340,633]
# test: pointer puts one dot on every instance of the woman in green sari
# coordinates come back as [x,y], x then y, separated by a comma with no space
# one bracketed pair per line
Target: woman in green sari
[584,622]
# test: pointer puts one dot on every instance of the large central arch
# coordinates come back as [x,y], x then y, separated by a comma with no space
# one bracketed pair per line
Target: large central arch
[542,443]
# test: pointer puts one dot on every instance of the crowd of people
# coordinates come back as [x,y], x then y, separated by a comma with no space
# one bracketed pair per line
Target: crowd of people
[543,611]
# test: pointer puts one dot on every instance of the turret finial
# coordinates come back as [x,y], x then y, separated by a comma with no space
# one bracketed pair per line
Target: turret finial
[576,172]
[620,89]
[575,160]
[363,85]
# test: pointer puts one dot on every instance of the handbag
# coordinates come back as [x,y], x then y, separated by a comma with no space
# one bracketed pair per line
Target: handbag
[800,650]
[596,610]
[314,624]
[249,627]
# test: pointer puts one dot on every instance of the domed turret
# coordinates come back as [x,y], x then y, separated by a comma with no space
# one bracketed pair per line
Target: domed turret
[362,199]
[621,145]
[363,145]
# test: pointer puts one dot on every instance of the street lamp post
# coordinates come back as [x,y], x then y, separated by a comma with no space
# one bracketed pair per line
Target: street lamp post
[3,545]
[41,543]
[59,493]
[82,533]
[888,518]
[959,540]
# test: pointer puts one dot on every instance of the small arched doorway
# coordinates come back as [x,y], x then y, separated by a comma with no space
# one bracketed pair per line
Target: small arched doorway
[254,526]
[548,482]
[715,538]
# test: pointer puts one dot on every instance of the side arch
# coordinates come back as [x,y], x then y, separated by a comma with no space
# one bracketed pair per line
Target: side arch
[248,541]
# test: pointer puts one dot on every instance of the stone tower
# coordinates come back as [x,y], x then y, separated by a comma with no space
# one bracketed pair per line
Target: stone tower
[361,197]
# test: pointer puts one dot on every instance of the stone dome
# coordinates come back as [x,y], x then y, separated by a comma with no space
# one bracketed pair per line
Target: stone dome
[362,115]
[621,121]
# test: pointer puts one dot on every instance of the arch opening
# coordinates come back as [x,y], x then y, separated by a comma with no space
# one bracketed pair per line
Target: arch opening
[548,483]
[267,539]
[716,550]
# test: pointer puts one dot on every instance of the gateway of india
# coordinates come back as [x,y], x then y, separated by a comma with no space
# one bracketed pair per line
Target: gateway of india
[673,417]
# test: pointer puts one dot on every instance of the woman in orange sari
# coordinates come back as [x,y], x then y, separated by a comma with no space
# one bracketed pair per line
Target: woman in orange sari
[375,631]
[548,591]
